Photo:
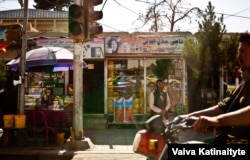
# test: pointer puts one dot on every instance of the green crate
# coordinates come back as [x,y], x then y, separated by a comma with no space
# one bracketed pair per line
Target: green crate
[180,109]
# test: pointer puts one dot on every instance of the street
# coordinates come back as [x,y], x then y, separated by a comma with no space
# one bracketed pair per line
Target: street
[109,157]
[109,151]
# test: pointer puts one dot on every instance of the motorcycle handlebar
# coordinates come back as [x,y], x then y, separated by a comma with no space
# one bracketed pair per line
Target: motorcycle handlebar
[180,122]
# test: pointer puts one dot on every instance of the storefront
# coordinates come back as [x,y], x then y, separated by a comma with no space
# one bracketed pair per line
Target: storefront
[122,71]
[133,63]
[92,53]
[49,88]
[49,92]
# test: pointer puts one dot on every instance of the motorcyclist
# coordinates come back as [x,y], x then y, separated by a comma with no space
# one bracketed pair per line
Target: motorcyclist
[230,117]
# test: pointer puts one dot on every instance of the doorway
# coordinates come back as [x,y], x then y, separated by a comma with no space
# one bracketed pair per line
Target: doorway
[93,87]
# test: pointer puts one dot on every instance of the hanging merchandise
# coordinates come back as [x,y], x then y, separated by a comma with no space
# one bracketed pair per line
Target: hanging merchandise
[129,104]
[119,110]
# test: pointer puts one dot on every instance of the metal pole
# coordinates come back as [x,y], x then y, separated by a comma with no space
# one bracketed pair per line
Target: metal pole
[221,83]
[183,85]
[21,89]
[78,90]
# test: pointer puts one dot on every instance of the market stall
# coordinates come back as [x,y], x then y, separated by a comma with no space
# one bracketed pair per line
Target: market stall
[47,87]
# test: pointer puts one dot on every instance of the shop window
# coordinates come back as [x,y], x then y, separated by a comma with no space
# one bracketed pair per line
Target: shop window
[170,71]
[126,82]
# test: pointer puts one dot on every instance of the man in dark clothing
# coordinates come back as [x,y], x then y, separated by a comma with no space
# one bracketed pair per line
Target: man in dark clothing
[230,116]
[159,100]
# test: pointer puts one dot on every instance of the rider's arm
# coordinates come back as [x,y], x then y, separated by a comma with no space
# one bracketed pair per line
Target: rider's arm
[215,110]
[234,118]
[239,117]
[211,111]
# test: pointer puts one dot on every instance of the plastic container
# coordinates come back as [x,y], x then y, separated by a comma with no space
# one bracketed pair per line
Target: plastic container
[20,121]
[60,138]
[8,121]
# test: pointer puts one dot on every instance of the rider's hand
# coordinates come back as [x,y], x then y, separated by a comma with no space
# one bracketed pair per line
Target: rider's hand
[204,123]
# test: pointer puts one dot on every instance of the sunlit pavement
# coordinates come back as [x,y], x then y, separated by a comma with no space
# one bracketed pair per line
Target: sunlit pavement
[109,152]
[109,144]
[124,152]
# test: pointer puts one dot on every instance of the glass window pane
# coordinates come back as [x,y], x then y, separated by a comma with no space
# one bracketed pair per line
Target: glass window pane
[170,71]
[125,80]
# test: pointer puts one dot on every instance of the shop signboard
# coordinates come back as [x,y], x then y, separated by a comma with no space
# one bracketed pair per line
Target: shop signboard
[93,50]
[162,44]
[89,50]
[56,42]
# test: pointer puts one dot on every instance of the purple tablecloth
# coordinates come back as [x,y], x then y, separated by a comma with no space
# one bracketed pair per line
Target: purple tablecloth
[54,117]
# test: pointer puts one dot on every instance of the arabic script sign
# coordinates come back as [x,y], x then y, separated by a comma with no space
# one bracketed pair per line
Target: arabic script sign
[150,45]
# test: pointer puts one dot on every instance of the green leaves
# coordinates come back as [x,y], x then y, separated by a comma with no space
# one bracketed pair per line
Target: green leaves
[56,5]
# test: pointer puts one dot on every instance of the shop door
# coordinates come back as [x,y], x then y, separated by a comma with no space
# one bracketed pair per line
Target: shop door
[93,87]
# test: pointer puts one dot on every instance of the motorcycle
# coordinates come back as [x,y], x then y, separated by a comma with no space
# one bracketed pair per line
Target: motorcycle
[1,132]
[153,141]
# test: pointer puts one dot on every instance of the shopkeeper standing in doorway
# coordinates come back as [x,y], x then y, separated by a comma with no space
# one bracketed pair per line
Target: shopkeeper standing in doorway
[159,100]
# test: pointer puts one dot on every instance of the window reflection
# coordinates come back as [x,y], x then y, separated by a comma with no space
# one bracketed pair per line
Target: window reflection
[125,80]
